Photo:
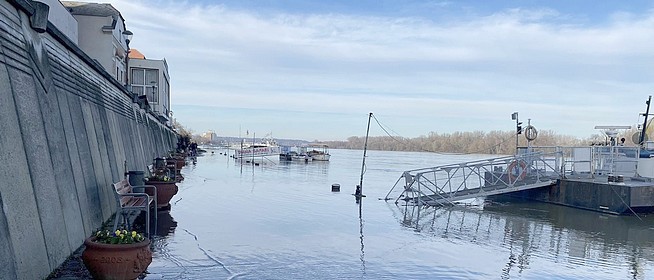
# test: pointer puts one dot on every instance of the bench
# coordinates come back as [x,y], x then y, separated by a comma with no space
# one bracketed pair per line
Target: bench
[128,200]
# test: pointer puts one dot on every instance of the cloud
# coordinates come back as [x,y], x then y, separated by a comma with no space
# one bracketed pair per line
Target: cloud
[538,60]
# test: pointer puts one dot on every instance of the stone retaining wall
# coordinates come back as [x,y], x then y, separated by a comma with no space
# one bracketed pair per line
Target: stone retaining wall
[66,130]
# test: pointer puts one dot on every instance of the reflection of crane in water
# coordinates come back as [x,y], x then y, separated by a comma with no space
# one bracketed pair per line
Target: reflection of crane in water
[538,230]
[363,253]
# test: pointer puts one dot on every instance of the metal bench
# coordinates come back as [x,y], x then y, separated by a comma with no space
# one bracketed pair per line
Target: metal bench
[128,200]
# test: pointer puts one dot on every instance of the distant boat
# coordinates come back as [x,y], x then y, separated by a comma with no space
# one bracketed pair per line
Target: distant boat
[294,154]
[319,152]
[267,148]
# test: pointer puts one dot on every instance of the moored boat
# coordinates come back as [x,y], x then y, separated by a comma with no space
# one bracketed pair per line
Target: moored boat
[294,154]
[319,152]
[267,148]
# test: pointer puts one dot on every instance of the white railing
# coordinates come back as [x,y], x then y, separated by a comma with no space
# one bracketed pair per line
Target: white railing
[594,161]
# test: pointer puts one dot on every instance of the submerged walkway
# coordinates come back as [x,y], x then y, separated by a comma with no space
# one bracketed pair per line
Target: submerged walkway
[73,267]
[447,184]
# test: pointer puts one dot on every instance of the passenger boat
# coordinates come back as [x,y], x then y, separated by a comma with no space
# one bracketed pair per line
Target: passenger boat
[267,148]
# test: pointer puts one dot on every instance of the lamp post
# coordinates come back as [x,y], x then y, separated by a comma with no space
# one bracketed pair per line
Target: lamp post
[128,38]
[154,87]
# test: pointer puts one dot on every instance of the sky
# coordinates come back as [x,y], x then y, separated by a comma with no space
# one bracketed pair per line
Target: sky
[313,70]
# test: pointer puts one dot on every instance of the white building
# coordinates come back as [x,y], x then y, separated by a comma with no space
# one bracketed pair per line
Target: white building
[150,77]
[102,35]
[210,136]
[61,18]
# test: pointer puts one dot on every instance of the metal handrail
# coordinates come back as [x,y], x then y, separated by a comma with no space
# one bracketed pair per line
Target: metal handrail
[445,184]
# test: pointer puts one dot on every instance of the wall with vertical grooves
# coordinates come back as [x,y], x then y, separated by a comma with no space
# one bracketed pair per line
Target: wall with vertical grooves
[66,130]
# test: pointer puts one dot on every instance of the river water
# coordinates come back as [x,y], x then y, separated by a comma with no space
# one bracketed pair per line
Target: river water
[282,221]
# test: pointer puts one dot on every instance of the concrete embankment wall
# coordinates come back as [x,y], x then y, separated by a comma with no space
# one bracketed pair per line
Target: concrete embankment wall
[66,130]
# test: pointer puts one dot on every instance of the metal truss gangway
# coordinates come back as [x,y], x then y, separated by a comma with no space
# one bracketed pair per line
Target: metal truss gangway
[448,184]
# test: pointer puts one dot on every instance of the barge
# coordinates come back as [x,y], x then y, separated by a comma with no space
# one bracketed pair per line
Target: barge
[611,179]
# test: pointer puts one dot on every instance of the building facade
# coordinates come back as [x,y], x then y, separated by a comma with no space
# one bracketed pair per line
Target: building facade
[150,78]
[102,36]
[61,18]
[209,137]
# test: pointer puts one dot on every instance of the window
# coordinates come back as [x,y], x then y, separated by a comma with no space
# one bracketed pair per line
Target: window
[137,90]
[144,81]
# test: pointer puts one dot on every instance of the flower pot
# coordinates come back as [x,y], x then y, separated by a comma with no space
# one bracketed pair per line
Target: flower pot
[179,163]
[116,261]
[165,192]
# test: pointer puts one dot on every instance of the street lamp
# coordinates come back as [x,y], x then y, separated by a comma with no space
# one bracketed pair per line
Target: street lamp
[128,36]
[154,87]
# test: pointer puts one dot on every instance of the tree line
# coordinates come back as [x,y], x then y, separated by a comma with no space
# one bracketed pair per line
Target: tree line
[475,142]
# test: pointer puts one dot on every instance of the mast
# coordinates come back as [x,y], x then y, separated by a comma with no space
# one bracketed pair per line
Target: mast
[254,136]
[642,133]
[363,164]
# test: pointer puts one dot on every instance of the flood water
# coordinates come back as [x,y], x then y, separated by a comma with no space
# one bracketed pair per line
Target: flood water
[282,221]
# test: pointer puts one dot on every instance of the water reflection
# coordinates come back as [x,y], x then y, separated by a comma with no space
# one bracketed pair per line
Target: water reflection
[314,168]
[165,224]
[363,253]
[164,227]
[529,231]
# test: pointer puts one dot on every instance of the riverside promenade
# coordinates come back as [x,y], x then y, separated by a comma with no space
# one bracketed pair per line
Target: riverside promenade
[68,131]
[74,268]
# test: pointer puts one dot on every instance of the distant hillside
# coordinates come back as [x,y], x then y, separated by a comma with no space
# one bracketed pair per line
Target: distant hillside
[476,142]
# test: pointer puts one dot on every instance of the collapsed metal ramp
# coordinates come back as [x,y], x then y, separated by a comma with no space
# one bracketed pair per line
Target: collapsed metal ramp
[448,184]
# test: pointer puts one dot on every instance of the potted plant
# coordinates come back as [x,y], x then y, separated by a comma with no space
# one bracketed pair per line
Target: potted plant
[166,189]
[116,255]
[177,165]
[180,159]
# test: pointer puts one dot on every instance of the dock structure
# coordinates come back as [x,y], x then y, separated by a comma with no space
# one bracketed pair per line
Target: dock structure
[447,184]
[610,179]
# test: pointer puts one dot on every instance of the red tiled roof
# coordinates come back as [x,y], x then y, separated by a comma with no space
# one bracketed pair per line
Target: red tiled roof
[134,53]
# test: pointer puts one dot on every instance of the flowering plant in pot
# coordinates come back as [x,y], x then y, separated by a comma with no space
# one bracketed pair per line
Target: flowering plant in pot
[158,178]
[118,237]
[119,254]
[166,189]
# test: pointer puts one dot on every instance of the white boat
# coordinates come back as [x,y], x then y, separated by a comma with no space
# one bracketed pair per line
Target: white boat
[267,148]
[319,152]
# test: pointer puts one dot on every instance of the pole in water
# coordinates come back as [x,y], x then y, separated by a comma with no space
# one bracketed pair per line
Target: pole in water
[359,192]
[642,133]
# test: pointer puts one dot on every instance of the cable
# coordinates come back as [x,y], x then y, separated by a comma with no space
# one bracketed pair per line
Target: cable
[437,152]
[625,203]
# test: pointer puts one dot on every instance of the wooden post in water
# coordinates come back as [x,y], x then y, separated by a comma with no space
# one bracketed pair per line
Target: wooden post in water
[359,192]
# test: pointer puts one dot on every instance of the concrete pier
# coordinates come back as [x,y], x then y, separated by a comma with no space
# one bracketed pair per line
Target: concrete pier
[67,127]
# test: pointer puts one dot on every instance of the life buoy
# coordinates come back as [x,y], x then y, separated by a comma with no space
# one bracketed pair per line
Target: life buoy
[517,171]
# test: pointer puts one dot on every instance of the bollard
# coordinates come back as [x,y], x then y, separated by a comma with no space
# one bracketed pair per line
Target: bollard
[619,179]
[336,187]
